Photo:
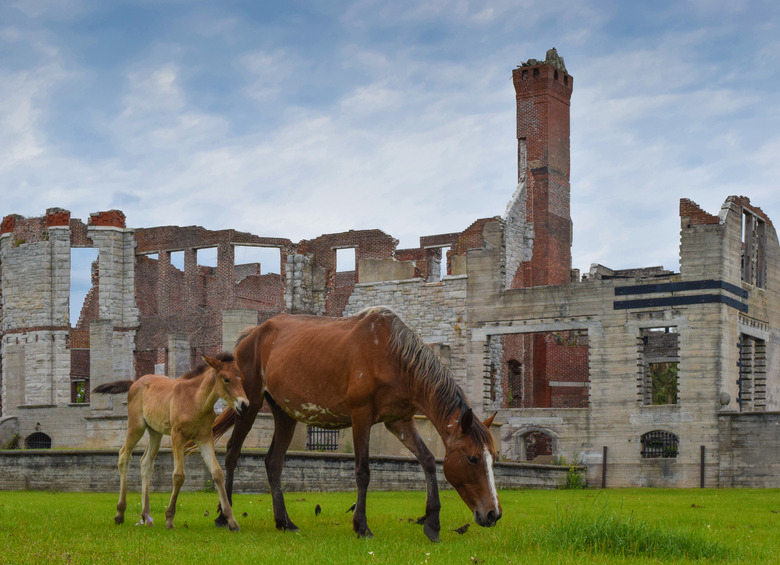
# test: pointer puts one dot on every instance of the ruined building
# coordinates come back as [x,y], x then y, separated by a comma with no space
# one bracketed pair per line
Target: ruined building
[647,376]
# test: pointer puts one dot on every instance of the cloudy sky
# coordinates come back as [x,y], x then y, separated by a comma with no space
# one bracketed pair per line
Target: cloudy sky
[298,118]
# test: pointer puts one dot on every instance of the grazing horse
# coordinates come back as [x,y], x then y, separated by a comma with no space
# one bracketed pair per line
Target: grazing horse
[182,408]
[340,372]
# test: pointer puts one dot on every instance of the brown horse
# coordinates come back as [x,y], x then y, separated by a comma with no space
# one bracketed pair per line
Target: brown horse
[340,372]
[182,408]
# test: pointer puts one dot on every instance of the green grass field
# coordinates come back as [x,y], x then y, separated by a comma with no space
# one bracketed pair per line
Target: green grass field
[564,526]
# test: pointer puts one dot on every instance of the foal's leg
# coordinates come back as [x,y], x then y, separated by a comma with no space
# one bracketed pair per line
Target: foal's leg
[284,428]
[361,431]
[243,424]
[210,458]
[407,433]
[178,476]
[134,434]
[147,466]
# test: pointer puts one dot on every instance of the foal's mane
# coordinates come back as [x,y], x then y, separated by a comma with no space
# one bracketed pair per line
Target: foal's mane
[203,367]
[430,377]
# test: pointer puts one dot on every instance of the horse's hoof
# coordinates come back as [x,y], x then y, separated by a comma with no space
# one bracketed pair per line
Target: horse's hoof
[432,533]
[221,522]
[287,527]
[366,534]
[118,520]
[235,528]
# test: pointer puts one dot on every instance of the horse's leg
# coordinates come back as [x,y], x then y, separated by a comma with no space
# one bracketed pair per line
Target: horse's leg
[147,466]
[178,476]
[407,433]
[241,428]
[361,431]
[210,458]
[284,428]
[134,434]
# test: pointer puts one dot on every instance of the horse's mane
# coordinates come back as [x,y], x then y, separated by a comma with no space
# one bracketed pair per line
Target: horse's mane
[203,367]
[431,378]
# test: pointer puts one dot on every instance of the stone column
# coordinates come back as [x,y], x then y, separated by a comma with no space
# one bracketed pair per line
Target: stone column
[233,323]
[178,354]
[101,362]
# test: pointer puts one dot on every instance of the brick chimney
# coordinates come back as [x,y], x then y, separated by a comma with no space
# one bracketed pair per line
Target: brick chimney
[543,92]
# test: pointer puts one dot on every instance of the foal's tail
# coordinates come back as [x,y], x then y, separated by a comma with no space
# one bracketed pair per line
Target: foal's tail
[117,387]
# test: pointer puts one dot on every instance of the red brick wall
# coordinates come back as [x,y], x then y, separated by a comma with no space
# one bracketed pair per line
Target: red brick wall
[546,357]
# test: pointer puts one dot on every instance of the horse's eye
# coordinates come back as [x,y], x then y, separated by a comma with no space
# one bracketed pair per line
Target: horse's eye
[226,380]
[473,459]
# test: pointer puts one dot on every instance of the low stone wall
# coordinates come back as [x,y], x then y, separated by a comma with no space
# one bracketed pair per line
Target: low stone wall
[95,471]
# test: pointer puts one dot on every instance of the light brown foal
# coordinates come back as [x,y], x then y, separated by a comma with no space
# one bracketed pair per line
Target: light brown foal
[182,408]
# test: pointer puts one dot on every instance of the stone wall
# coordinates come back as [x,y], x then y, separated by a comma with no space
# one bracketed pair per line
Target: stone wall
[750,449]
[95,471]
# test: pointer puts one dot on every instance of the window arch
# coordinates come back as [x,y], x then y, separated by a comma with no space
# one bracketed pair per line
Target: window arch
[660,444]
[38,440]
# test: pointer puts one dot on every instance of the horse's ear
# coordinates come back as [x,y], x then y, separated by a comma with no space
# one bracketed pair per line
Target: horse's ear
[215,364]
[466,421]
[489,421]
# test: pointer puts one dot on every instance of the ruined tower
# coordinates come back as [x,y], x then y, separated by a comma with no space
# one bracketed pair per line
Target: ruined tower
[543,92]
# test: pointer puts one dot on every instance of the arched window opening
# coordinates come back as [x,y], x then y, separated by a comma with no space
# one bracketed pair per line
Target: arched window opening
[660,444]
[38,440]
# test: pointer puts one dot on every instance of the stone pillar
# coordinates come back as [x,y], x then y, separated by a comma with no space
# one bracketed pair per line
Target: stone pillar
[234,322]
[101,362]
[178,354]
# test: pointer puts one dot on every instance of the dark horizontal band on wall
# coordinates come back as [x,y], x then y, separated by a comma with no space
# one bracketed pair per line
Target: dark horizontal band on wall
[680,286]
[680,301]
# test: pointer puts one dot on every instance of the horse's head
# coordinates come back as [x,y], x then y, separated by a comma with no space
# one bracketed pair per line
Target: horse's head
[468,466]
[229,383]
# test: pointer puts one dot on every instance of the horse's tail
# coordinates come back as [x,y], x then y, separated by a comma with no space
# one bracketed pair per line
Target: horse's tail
[117,387]
[223,423]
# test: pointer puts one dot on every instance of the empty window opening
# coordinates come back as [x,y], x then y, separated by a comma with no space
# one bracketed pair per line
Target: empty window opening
[319,439]
[539,370]
[79,391]
[177,259]
[83,276]
[752,374]
[38,440]
[345,260]
[207,257]
[658,366]
[445,268]
[268,260]
[753,249]
[659,444]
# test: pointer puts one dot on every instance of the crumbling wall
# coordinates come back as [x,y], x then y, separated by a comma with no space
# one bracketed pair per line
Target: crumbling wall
[40,350]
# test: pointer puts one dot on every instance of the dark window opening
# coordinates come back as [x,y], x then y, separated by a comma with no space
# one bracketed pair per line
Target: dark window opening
[538,444]
[753,249]
[515,395]
[659,444]
[318,439]
[752,374]
[38,440]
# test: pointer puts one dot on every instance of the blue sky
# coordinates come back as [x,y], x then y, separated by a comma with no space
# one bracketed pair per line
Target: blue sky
[294,119]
